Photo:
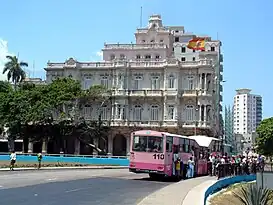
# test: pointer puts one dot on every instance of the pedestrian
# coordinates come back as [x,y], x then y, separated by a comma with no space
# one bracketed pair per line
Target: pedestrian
[190,171]
[39,157]
[12,160]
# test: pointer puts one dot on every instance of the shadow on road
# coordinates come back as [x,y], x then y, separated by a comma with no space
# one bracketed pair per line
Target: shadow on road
[163,179]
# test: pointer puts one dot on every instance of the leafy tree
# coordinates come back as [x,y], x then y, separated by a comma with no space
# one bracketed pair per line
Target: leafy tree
[264,140]
[14,70]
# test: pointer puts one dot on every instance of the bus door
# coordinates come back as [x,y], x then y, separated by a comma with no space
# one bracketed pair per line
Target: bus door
[169,155]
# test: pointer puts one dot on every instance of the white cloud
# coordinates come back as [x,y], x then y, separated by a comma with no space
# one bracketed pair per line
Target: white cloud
[3,53]
[97,56]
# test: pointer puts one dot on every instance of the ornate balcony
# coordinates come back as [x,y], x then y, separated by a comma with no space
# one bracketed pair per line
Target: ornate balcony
[154,93]
[133,46]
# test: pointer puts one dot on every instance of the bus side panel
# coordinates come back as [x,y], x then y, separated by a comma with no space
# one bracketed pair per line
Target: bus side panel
[168,159]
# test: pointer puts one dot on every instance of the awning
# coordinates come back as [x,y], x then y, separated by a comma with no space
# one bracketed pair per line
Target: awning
[203,141]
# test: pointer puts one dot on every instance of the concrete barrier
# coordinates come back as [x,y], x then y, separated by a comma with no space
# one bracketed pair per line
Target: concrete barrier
[94,160]
[222,183]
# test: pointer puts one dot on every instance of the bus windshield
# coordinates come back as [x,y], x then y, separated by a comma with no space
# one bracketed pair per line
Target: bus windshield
[147,144]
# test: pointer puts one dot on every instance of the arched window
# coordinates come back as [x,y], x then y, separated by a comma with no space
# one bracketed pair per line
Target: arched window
[104,113]
[137,113]
[154,113]
[87,111]
[171,80]
[190,113]
[112,57]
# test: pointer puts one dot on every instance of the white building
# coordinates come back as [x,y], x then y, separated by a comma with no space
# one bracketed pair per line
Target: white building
[247,114]
[156,83]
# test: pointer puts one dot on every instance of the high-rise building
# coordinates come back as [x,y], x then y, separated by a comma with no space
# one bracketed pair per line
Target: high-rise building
[157,83]
[228,130]
[247,112]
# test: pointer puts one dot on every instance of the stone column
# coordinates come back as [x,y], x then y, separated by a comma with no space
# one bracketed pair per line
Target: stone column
[77,146]
[23,147]
[110,145]
[200,113]
[205,114]
[44,147]
[200,81]
[205,83]
[128,143]
[30,147]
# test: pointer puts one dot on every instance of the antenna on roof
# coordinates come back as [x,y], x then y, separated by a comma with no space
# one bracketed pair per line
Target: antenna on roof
[33,67]
[141,17]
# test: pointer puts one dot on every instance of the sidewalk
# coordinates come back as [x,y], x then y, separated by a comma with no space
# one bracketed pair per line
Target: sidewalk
[61,168]
[196,195]
[179,193]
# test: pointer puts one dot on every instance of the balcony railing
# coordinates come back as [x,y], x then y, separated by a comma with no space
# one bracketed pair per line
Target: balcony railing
[154,93]
[134,64]
[134,46]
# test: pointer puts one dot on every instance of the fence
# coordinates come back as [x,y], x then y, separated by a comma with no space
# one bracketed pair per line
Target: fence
[65,158]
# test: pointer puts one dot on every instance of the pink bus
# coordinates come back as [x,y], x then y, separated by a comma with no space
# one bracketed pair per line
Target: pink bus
[153,152]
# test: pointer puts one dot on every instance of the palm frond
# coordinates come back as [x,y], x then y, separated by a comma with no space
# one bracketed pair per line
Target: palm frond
[250,194]
[23,64]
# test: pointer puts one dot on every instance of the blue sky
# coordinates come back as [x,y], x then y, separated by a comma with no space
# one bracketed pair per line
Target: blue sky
[58,29]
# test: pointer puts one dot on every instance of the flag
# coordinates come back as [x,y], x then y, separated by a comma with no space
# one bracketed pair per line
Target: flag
[197,44]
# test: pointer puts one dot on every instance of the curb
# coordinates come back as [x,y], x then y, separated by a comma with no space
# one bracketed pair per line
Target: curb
[64,168]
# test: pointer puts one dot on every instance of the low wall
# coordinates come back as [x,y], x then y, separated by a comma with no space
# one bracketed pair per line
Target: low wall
[265,179]
[96,160]
[222,183]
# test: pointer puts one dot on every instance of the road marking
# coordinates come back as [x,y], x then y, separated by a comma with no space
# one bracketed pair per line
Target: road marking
[74,190]
[51,179]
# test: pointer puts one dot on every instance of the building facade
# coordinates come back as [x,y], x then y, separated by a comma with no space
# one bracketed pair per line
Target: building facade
[228,129]
[157,83]
[247,112]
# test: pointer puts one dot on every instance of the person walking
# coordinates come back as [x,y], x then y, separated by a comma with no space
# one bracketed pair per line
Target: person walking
[12,160]
[39,158]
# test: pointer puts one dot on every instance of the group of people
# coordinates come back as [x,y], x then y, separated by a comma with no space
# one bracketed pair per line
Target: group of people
[13,160]
[233,165]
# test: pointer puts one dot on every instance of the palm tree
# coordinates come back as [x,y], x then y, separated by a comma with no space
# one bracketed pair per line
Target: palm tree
[15,70]
[251,194]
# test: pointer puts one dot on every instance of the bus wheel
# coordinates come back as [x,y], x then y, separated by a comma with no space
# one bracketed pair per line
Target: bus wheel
[154,176]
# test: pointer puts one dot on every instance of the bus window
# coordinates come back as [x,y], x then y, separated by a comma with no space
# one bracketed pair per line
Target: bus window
[147,144]
[181,145]
[186,146]
[169,144]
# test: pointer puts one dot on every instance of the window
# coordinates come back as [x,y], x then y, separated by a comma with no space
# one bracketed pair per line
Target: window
[169,144]
[120,112]
[190,113]
[104,115]
[171,81]
[183,59]
[137,84]
[154,113]
[138,57]
[155,83]
[176,39]
[122,56]
[186,146]
[143,41]
[152,41]
[183,50]
[190,83]
[212,48]
[104,81]
[170,112]
[112,57]
[148,57]
[87,111]
[193,58]
[147,144]
[87,82]
[137,113]
[161,41]
[157,57]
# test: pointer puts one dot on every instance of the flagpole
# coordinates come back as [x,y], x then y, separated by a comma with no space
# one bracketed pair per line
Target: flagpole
[141,17]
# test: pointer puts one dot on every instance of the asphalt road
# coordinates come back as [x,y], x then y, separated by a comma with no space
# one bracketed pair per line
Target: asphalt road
[75,187]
